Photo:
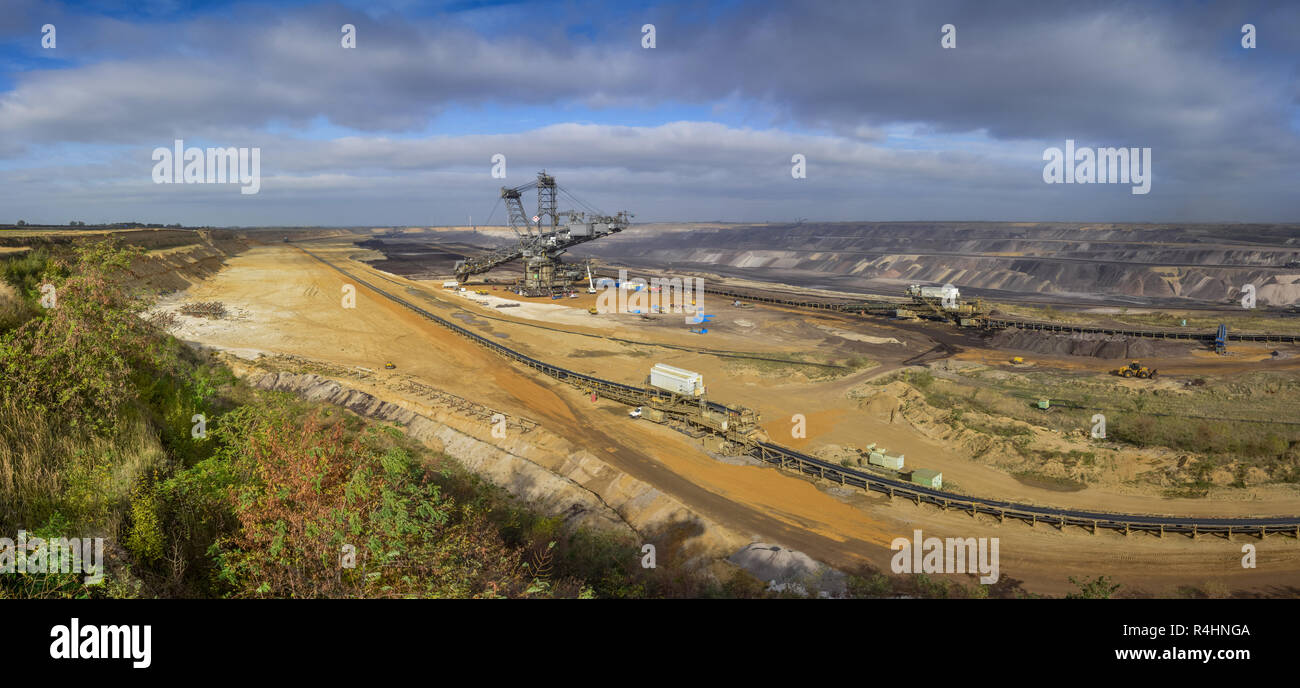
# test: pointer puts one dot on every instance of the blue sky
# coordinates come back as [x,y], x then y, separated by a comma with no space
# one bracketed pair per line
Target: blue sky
[893,126]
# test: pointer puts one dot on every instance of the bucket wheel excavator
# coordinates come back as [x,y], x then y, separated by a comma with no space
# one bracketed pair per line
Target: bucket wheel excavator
[542,239]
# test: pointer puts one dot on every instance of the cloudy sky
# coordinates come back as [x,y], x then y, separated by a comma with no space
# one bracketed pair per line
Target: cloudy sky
[402,128]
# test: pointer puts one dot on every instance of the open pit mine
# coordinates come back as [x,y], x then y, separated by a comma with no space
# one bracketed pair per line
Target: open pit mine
[1099,398]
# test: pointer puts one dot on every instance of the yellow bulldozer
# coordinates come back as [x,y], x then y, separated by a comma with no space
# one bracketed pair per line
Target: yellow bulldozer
[1136,369]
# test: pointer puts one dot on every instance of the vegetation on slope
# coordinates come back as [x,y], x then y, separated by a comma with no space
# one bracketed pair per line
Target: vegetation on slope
[100,437]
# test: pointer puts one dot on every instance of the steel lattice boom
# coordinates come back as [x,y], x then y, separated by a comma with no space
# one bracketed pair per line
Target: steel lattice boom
[542,238]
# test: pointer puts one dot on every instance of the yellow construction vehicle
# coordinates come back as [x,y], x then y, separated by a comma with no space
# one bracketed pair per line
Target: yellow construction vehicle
[1136,369]
[1018,360]
[592,311]
[389,365]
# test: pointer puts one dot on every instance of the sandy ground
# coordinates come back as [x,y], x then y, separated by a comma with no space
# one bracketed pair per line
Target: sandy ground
[830,418]
[286,302]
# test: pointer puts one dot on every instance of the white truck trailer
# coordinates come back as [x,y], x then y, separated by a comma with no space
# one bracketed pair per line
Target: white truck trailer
[677,380]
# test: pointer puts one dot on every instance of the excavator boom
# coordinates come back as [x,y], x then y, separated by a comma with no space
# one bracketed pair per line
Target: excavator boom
[541,239]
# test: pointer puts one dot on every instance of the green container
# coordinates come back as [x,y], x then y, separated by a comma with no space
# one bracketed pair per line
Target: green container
[927,477]
[1044,404]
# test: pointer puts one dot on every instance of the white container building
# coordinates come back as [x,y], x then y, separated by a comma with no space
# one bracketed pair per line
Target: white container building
[879,458]
[677,380]
[932,292]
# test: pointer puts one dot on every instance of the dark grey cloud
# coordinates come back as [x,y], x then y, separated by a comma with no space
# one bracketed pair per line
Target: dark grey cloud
[835,81]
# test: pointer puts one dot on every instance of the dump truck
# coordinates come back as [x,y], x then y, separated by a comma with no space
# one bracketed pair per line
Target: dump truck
[1136,369]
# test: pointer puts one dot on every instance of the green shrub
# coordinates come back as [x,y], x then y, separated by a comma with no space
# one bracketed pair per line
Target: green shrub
[144,535]
[75,360]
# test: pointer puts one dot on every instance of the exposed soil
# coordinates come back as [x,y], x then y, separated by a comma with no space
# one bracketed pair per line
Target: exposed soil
[292,306]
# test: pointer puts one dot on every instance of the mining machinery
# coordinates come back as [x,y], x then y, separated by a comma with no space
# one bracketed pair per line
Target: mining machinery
[945,303]
[543,239]
[1136,369]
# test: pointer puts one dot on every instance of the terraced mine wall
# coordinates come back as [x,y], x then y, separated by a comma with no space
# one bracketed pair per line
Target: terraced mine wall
[1125,265]
[886,308]
[180,267]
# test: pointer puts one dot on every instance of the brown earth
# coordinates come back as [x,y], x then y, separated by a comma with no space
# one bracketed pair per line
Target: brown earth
[287,303]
